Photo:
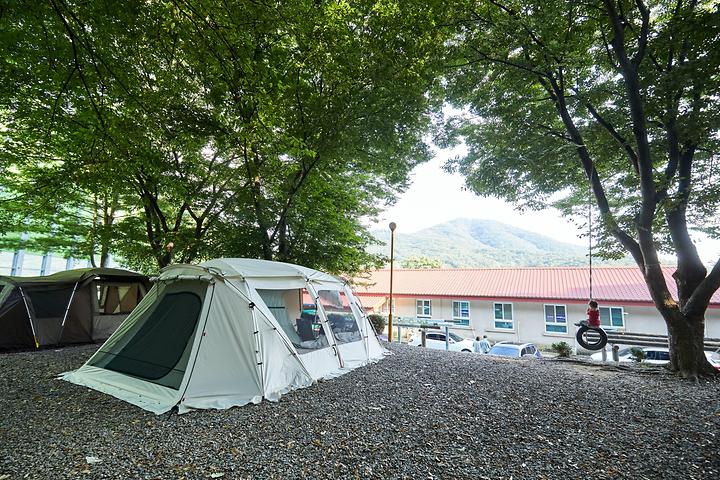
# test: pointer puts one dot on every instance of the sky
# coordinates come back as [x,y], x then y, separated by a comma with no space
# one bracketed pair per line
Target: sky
[436,196]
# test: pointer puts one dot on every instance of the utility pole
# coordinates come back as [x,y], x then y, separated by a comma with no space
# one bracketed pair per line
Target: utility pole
[393,226]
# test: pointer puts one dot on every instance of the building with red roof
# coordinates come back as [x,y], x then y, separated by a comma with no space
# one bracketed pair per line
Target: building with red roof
[527,304]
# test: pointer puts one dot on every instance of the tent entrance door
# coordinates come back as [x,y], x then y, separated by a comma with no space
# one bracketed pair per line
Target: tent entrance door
[156,346]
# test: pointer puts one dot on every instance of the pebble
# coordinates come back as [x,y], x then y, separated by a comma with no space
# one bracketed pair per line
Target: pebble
[416,414]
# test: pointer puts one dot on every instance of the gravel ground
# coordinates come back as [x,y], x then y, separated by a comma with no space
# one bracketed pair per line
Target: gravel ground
[416,414]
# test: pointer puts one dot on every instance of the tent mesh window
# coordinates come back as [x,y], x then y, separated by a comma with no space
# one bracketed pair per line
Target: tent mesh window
[340,316]
[297,315]
[157,346]
[49,303]
[117,298]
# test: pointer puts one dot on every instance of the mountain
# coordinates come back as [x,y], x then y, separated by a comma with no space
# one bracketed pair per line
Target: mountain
[467,243]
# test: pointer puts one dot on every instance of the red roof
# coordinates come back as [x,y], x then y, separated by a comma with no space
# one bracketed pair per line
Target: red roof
[610,284]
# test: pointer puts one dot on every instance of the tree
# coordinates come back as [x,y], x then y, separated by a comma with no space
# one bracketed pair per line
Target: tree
[616,96]
[225,127]
[309,125]
[420,261]
[98,123]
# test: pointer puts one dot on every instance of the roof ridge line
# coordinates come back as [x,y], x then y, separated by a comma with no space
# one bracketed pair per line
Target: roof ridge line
[467,269]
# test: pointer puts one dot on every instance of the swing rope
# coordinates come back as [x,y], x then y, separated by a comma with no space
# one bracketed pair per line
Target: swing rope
[584,327]
[590,245]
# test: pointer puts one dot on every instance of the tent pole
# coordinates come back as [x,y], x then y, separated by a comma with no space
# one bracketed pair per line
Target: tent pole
[362,317]
[27,309]
[67,310]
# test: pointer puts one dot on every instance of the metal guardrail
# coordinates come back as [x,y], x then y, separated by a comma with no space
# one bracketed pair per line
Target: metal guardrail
[646,339]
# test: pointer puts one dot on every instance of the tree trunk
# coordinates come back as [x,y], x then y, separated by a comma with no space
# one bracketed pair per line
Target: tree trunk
[104,256]
[109,208]
[283,245]
[266,247]
[686,341]
[165,258]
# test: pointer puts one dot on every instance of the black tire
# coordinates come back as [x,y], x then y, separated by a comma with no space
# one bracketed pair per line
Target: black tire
[599,345]
[466,350]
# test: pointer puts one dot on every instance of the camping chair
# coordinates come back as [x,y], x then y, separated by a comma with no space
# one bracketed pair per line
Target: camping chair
[305,329]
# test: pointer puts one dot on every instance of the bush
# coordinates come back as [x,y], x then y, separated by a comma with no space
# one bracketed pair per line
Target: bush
[562,349]
[638,354]
[378,322]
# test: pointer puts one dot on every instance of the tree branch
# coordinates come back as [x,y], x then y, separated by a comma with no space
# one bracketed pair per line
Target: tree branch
[591,172]
[643,38]
[78,63]
[506,62]
[63,88]
[533,36]
[297,184]
[698,302]
[637,114]
[614,133]
[552,132]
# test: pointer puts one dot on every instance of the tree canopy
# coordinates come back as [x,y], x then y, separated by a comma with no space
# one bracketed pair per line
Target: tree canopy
[224,128]
[618,98]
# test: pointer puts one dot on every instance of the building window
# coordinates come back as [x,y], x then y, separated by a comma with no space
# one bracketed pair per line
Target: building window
[555,319]
[612,317]
[461,312]
[503,316]
[423,308]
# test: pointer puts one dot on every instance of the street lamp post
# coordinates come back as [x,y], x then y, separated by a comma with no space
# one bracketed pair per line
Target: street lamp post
[393,226]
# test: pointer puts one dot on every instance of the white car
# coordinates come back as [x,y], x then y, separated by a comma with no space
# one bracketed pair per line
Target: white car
[436,339]
[714,358]
[653,355]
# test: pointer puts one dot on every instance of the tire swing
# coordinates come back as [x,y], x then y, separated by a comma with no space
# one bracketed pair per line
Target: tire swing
[587,341]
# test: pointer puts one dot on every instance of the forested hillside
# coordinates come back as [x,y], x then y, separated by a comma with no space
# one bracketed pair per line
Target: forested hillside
[482,243]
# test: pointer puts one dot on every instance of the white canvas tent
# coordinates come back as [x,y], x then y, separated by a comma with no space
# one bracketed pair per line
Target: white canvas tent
[230,332]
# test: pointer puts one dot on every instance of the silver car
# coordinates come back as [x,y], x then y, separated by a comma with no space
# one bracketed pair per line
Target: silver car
[515,350]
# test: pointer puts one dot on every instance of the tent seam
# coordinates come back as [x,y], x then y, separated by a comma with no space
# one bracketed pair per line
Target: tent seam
[197,352]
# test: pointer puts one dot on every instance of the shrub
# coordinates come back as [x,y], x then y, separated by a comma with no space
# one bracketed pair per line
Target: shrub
[638,354]
[561,348]
[378,322]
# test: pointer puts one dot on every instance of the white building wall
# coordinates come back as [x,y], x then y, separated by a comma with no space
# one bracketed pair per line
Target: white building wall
[644,320]
[30,264]
[712,323]
[529,319]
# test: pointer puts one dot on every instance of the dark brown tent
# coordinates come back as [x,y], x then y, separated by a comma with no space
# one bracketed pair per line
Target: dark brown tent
[75,306]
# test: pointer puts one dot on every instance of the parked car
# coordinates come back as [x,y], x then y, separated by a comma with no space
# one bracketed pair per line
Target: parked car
[714,358]
[515,350]
[436,340]
[654,355]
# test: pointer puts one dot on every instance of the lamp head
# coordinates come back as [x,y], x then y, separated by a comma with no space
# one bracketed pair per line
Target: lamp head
[393,226]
